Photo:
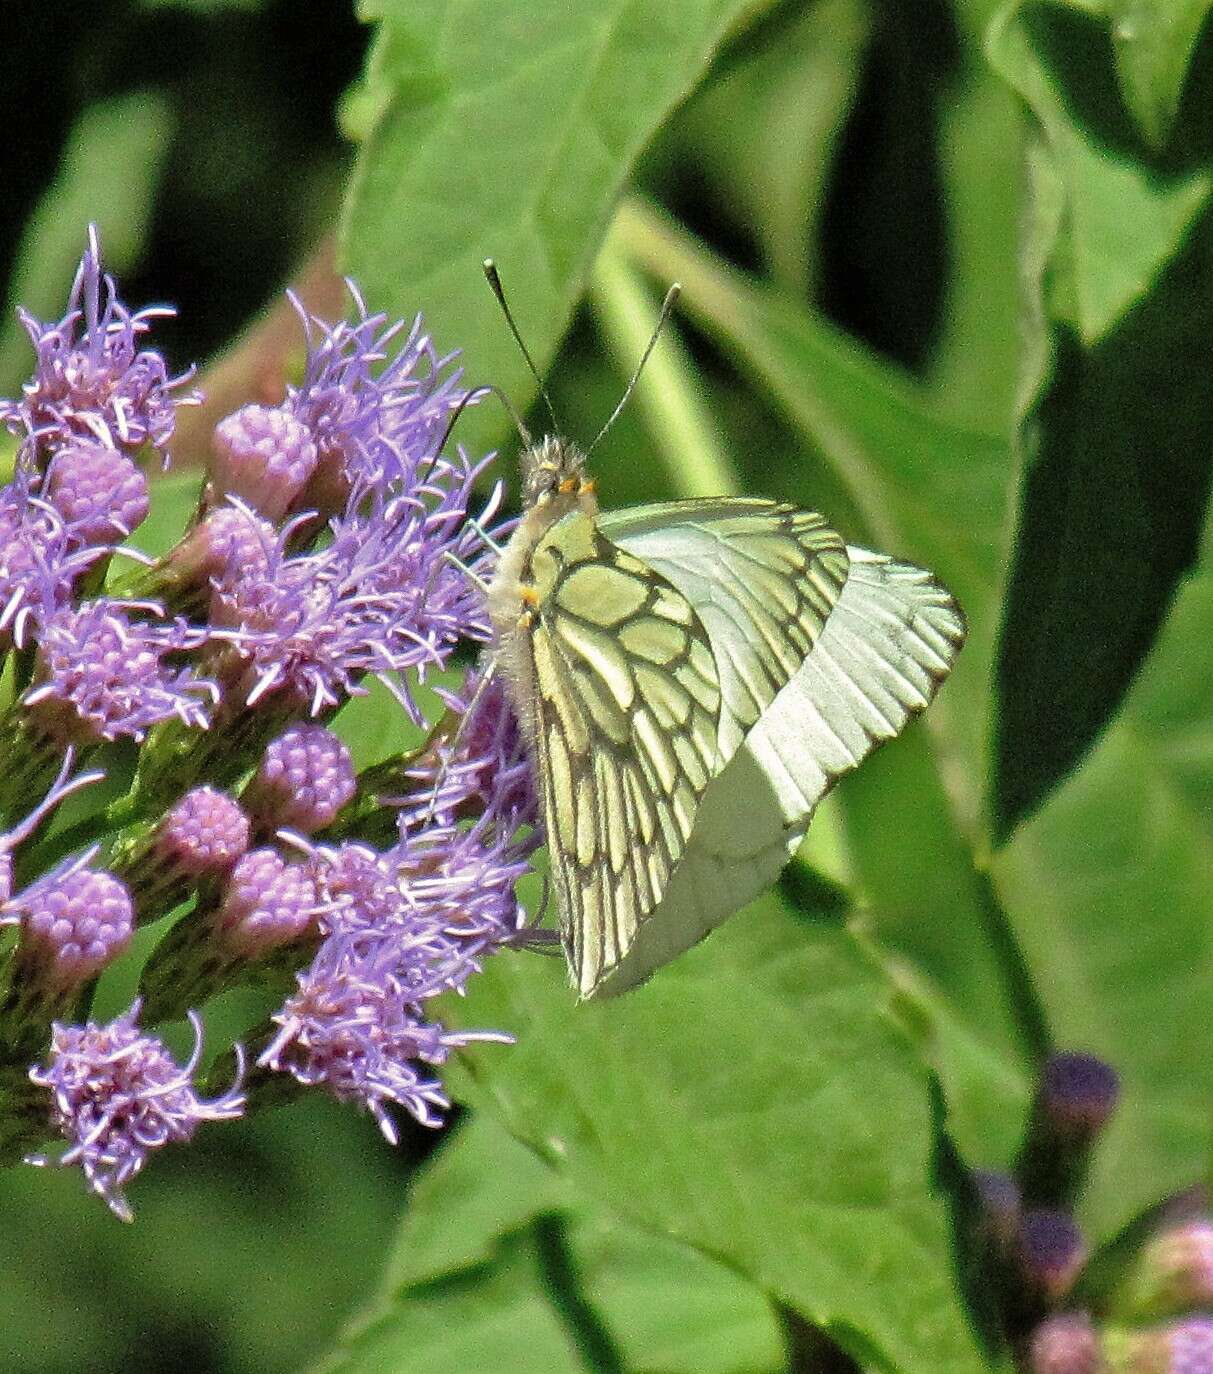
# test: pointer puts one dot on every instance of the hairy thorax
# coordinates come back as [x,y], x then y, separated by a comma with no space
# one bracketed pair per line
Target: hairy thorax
[554,486]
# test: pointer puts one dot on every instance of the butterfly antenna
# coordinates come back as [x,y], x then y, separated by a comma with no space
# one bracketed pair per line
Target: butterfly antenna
[494,281]
[469,399]
[470,573]
[667,309]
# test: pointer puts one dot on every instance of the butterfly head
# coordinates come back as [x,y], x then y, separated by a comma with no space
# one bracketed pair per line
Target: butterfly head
[553,471]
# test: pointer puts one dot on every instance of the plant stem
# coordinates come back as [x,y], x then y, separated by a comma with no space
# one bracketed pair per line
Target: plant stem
[669,394]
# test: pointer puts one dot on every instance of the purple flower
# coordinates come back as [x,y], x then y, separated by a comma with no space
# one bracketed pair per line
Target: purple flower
[1078,1093]
[1065,1344]
[481,763]
[1190,1346]
[92,381]
[102,675]
[73,923]
[356,1030]
[40,562]
[373,420]
[264,456]
[204,833]
[230,542]
[382,598]
[305,778]
[409,923]
[99,493]
[267,903]
[118,1095]
[1052,1251]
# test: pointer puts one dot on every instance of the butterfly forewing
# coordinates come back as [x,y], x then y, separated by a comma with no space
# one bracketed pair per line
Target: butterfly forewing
[762,577]
[626,698]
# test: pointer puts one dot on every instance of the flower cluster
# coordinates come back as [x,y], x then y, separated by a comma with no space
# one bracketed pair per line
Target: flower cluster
[1141,1306]
[335,540]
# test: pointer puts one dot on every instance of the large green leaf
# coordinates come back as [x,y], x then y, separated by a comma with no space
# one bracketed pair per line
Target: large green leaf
[754,1101]
[945,940]
[661,1305]
[1116,438]
[495,1316]
[483,1200]
[505,129]
[1108,886]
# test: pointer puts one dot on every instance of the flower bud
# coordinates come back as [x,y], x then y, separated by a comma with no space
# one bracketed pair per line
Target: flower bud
[99,492]
[1065,1344]
[73,925]
[204,834]
[1078,1092]
[305,778]
[267,903]
[1076,1096]
[227,538]
[196,841]
[1051,1253]
[262,455]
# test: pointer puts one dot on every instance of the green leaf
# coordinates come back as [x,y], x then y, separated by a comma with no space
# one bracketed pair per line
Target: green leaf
[506,130]
[1155,40]
[791,89]
[1116,439]
[496,1316]
[130,133]
[756,1102]
[1108,888]
[481,1184]
[974,366]
[1125,219]
[946,942]
[660,1305]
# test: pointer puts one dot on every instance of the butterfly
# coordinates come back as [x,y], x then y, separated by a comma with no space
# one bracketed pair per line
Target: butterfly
[692,677]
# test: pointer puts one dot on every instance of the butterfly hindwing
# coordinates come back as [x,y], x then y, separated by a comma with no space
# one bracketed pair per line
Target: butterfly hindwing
[626,706]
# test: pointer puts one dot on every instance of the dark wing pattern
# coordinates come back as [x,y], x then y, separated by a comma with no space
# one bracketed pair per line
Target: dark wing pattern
[763,578]
[626,701]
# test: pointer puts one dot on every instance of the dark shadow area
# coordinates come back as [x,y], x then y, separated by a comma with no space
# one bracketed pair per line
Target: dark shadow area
[885,259]
[1112,510]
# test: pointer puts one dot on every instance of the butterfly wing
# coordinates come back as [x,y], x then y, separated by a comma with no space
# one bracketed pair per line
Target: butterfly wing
[762,577]
[624,700]
[886,643]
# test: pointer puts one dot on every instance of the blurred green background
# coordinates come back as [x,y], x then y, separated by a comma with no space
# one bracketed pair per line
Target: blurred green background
[947,277]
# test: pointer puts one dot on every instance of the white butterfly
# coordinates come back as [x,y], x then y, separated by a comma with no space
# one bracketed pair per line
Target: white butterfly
[692,678]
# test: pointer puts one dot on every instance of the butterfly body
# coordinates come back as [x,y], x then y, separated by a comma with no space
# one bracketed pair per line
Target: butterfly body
[691,678]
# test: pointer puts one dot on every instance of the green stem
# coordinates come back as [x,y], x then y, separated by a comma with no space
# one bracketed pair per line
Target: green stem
[669,394]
